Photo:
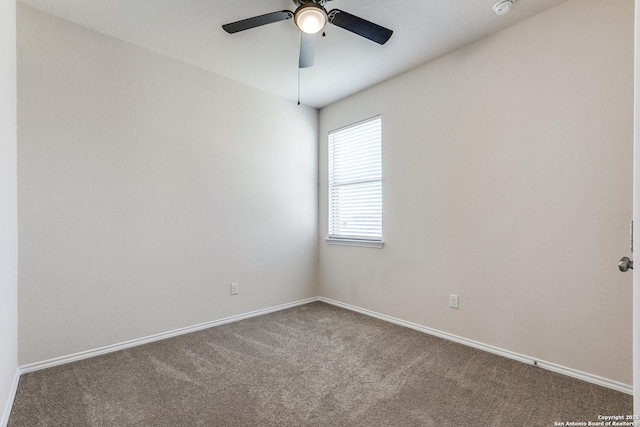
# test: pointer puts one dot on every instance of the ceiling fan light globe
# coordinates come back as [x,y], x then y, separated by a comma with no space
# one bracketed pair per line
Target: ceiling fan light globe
[311,20]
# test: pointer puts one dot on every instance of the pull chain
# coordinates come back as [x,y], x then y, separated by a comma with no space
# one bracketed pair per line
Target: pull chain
[298,85]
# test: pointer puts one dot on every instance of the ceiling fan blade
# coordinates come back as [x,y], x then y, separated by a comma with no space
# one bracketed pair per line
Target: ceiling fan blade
[307,50]
[257,21]
[362,27]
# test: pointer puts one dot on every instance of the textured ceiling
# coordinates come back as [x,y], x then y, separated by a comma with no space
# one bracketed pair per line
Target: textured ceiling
[267,57]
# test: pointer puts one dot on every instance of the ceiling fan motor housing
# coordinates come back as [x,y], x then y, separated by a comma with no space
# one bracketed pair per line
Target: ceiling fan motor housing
[299,3]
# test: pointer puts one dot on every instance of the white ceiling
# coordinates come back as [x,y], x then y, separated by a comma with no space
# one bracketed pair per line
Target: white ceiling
[267,57]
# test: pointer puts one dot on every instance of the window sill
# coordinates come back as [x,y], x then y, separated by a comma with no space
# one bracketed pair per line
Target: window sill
[351,242]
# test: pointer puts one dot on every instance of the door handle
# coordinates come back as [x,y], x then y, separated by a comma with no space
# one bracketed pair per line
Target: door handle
[625,264]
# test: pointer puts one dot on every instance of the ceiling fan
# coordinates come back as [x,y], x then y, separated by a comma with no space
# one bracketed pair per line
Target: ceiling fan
[311,17]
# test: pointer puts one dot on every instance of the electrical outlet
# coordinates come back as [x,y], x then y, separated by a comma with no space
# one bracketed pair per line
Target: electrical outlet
[234,289]
[453,301]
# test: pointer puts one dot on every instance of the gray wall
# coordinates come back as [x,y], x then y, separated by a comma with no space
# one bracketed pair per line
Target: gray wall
[146,186]
[507,181]
[8,206]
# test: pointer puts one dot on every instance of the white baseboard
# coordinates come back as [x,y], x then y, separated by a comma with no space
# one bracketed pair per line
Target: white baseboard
[12,396]
[156,337]
[595,379]
[475,344]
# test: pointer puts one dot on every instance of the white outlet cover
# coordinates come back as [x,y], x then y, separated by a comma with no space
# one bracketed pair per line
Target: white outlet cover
[234,289]
[453,301]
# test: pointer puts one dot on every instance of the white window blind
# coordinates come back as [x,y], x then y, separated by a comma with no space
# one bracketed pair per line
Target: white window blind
[355,181]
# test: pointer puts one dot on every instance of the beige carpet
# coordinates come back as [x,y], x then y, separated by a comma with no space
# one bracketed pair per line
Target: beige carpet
[313,365]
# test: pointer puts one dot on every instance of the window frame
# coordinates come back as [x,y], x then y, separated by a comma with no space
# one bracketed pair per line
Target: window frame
[354,240]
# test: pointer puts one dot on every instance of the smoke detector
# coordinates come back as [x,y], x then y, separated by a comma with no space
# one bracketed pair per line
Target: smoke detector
[503,7]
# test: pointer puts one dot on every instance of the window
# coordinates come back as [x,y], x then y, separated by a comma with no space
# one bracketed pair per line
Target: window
[355,184]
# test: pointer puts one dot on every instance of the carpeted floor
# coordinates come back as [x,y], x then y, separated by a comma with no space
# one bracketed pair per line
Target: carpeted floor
[313,365]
